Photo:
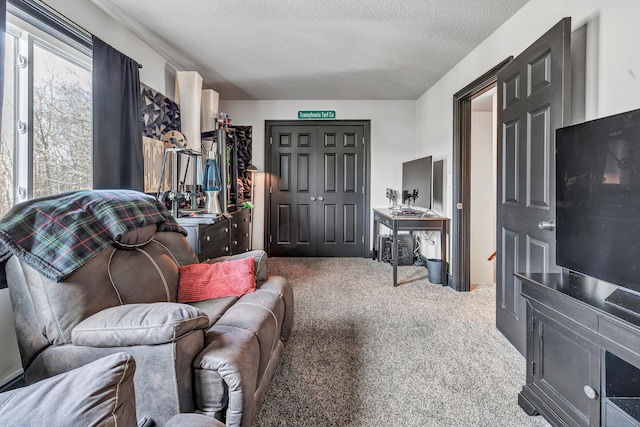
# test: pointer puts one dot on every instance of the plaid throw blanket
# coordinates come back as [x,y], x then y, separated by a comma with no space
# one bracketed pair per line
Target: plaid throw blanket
[58,234]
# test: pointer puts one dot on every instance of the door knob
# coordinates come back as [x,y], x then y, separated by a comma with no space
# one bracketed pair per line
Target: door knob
[321,198]
[313,199]
[547,225]
[590,392]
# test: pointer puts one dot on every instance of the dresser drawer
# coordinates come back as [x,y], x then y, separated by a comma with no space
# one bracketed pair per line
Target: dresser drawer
[240,223]
[213,240]
[382,219]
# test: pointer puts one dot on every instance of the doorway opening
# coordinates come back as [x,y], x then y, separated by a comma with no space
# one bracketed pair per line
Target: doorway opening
[460,278]
[484,181]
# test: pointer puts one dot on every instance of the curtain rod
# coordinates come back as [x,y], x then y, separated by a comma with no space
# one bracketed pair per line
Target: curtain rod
[59,20]
[65,18]
[70,21]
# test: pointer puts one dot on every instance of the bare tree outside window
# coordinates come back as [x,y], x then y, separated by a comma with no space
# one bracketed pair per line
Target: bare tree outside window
[60,159]
[8,130]
[61,125]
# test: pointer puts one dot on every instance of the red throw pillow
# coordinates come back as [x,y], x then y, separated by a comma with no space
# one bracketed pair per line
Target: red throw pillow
[200,282]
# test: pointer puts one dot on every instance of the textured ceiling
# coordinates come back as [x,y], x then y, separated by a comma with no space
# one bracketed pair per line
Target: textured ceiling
[301,49]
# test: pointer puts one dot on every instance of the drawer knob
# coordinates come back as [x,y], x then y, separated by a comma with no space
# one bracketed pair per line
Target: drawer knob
[590,392]
[208,238]
[235,225]
[226,248]
[235,242]
[226,229]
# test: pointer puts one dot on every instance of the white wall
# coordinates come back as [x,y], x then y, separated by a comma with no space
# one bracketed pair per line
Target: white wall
[156,71]
[616,73]
[483,212]
[392,140]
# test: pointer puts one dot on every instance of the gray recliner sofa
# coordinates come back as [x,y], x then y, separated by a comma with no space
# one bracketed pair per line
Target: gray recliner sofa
[215,357]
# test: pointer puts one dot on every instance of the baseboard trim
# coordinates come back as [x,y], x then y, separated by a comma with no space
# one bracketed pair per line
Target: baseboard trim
[12,381]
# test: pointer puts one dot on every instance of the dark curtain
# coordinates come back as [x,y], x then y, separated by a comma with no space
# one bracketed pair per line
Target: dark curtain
[117,123]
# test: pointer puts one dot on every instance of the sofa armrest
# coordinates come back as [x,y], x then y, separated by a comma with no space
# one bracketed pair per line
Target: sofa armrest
[138,324]
[94,394]
[260,257]
[193,420]
[279,286]
[226,372]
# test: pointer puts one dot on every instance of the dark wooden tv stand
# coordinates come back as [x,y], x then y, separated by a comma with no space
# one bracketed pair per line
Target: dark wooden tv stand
[583,353]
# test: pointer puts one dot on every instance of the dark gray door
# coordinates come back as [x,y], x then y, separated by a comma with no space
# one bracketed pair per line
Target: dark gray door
[533,97]
[563,363]
[317,186]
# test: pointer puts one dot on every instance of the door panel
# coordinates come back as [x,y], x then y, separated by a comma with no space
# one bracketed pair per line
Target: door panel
[317,190]
[304,166]
[559,379]
[511,152]
[293,171]
[330,169]
[329,217]
[283,235]
[508,299]
[343,175]
[533,96]
[539,158]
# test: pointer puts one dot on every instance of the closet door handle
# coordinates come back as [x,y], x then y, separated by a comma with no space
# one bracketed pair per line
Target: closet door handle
[590,392]
[547,225]
[321,198]
[313,199]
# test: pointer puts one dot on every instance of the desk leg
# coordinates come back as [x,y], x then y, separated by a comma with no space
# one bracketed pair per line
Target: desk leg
[394,254]
[376,231]
[443,248]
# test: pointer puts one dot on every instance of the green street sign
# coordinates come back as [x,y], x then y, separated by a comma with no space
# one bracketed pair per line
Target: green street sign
[317,115]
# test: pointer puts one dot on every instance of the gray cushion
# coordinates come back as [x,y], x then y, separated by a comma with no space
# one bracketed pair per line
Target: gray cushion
[138,324]
[215,307]
[99,393]
[60,306]
[193,420]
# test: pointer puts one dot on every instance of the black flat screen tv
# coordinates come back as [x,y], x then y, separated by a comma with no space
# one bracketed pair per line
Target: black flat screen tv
[416,179]
[598,199]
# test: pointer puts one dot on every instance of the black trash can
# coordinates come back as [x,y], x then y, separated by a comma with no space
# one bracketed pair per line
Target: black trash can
[434,267]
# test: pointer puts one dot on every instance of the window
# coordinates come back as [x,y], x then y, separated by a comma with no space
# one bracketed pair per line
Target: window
[46,116]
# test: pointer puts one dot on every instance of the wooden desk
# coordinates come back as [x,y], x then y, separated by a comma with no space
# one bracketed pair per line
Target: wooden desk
[409,223]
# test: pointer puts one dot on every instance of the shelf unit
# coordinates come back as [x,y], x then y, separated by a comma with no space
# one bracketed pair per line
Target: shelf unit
[583,353]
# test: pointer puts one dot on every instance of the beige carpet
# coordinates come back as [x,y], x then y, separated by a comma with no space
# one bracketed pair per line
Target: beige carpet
[364,353]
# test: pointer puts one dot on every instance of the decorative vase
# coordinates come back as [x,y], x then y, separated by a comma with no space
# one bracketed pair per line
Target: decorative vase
[189,97]
[209,110]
